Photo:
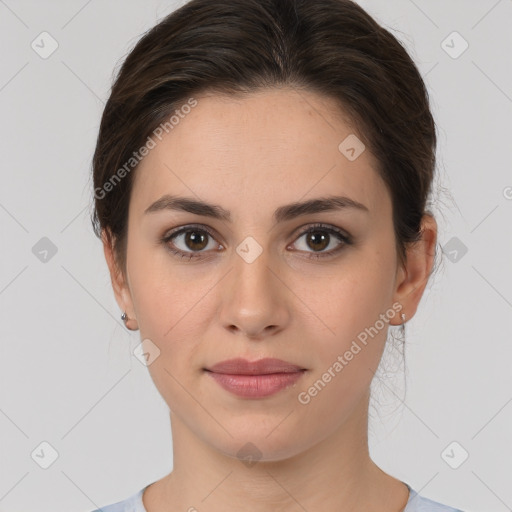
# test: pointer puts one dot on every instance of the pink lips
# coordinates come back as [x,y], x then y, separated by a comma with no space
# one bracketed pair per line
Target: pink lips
[255,379]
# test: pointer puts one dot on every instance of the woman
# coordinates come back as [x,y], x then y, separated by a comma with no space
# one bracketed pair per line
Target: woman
[261,178]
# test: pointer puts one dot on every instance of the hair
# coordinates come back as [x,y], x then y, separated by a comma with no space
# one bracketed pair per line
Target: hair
[330,47]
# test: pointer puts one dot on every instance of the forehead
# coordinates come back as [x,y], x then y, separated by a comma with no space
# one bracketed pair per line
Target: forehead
[266,148]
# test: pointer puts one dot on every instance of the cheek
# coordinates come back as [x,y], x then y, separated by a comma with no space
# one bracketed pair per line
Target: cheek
[167,313]
[170,310]
[347,355]
[350,297]
[349,315]
[160,291]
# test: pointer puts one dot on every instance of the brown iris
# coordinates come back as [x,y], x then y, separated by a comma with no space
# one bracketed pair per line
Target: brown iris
[196,237]
[314,238]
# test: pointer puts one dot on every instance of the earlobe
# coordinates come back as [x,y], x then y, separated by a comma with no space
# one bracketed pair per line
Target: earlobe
[418,268]
[130,323]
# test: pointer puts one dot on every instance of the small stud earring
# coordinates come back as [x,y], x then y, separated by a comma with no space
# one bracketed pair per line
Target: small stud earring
[124,318]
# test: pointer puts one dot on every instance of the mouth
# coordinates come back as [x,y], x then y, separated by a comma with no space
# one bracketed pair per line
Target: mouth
[257,379]
[266,366]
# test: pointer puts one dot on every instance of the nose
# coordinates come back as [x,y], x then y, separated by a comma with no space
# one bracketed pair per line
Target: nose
[254,299]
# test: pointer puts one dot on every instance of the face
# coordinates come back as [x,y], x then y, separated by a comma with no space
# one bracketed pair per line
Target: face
[309,286]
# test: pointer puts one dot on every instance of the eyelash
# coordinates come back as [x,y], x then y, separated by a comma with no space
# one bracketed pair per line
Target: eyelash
[346,240]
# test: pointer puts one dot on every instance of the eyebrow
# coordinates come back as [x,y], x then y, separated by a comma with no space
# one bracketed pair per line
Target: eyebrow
[281,214]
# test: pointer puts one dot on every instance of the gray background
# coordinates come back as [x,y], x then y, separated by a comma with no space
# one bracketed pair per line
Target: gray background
[67,373]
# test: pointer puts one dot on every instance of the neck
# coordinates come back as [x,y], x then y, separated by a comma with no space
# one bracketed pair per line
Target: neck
[336,473]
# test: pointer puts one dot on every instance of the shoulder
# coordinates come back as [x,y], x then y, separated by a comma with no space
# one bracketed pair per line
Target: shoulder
[418,503]
[130,504]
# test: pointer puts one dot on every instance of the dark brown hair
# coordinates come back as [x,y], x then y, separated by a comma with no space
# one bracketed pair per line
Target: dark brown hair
[331,47]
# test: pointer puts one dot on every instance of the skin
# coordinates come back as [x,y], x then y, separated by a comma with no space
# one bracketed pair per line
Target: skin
[251,155]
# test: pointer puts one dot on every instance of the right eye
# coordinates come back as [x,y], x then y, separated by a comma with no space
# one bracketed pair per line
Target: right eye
[193,240]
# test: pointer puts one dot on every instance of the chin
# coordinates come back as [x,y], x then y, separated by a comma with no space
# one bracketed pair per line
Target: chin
[259,446]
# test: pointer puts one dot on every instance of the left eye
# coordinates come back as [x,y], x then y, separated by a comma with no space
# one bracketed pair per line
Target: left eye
[320,238]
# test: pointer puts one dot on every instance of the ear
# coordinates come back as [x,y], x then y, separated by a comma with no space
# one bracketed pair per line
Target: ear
[412,279]
[119,282]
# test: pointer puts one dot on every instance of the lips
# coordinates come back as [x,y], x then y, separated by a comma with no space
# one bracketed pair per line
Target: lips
[240,366]
[257,379]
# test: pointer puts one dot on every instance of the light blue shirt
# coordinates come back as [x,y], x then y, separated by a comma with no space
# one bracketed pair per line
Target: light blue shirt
[416,503]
